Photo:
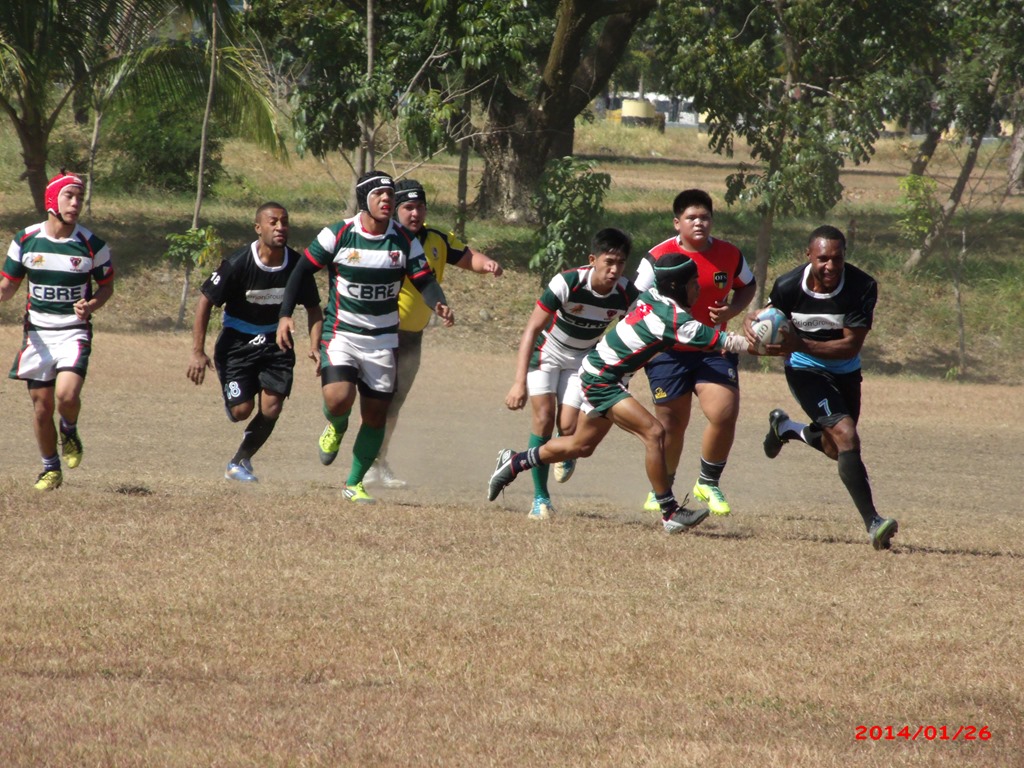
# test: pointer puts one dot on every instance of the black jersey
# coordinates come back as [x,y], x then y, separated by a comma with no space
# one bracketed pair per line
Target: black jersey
[251,292]
[822,316]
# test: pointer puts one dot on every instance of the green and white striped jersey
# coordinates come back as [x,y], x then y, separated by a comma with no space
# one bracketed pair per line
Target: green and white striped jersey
[60,271]
[579,315]
[655,323]
[365,275]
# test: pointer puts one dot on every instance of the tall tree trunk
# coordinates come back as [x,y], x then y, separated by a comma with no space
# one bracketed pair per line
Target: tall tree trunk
[925,150]
[462,193]
[34,150]
[367,122]
[202,160]
[1015,163]
[94,145]
[919,255]
[514,160]
[524,135]
[763,254]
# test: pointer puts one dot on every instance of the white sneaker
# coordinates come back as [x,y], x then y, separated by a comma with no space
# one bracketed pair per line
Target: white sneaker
[562,470]
[381,474]
[372,476]
[387,477]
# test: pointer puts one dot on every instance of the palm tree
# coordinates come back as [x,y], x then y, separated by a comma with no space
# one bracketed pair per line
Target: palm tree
[52,50]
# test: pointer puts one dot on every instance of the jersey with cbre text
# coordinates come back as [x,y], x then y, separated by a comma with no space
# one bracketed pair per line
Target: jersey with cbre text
[365,276]
[60,272]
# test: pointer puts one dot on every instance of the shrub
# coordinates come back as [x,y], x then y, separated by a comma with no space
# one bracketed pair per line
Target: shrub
[570,201]
[158,148]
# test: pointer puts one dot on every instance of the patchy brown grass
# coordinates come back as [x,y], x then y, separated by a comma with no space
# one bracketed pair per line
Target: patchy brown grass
[152,614]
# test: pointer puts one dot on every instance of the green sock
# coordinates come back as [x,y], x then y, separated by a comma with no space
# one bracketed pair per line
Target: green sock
[340,422]
[540,472]
[364,452]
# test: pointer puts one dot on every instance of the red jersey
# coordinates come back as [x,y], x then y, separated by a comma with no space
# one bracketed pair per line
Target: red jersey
[720,269]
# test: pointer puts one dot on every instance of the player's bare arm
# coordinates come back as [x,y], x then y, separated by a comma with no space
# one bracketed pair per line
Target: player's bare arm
[516,397]
[199,361]
[84,309]
[741,298]
[315,318]
[474,261]
[446,314]
[8,288]
[285,331]
[846,348]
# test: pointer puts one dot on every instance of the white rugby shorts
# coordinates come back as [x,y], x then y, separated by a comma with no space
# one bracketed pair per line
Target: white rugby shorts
[558,374]
[45,352]
[377,367]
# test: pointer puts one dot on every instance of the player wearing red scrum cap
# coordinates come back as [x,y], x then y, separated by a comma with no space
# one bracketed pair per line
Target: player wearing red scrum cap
[70,276]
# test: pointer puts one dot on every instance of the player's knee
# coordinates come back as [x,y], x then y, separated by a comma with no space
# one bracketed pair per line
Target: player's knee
[240,412]
[844,436]
[654,434]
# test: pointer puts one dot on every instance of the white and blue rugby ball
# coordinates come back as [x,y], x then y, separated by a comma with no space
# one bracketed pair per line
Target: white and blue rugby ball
[769,326]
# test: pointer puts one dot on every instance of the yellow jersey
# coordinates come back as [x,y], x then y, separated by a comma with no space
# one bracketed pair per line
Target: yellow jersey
[441,250]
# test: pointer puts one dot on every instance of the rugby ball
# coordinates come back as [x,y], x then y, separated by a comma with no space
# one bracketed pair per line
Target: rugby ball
[768,327]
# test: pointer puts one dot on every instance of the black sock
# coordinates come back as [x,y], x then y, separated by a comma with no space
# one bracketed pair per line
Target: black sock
[525,459]
[256,433]
[710,473]
[855,477]
[667,503]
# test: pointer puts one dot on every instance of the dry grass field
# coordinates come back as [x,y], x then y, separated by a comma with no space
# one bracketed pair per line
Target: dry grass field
[152,614]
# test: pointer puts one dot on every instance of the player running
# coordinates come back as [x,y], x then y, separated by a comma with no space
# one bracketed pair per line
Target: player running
[831,305]
[659,320]
[441,251]
[367,258]
[567,322]
[679,374]
[61,260]
[250,285]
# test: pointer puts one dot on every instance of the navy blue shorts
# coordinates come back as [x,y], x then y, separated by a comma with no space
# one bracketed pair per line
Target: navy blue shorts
[673,374]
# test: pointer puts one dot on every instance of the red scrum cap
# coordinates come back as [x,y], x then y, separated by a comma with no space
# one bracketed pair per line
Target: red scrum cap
[57,183]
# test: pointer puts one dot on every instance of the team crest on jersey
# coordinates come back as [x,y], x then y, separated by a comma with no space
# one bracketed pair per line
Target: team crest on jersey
[660,394]
[575,309]
[639,313]
[353,257]
[37,260]
[394,256]
[76,262]
[612,313]
[721,279]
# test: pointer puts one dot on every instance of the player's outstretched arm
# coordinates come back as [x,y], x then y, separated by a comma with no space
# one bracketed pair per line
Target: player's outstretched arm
[480,263]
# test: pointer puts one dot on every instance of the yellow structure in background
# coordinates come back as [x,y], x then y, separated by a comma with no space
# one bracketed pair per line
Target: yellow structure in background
[637,112]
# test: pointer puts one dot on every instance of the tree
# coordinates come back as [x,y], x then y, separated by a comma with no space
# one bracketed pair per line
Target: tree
[51,52]
[552,58]
[327,57]
[805,84]
[980,75]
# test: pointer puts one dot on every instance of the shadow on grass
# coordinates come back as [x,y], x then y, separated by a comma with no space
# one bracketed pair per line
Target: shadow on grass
[908,549]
